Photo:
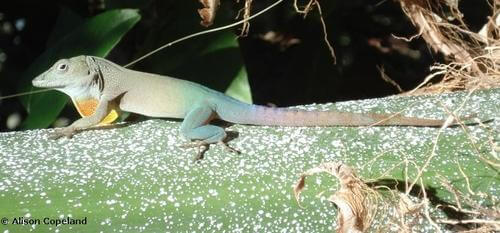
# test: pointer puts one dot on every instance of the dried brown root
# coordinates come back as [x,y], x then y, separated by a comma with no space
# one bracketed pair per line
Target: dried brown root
[474,56]
[207,13]
[247,10]
[360,203]
[305,10]
[388,79]
[355,200]
[438,35]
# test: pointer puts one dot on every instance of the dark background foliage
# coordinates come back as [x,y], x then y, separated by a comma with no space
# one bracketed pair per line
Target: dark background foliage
[279,73]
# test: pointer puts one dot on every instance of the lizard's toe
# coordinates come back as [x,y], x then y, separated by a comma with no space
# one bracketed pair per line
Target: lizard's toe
[64,132]
[203,147]
[55,136]
[228,148]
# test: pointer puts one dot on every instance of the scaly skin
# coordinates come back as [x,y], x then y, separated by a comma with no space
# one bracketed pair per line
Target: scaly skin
[101,89]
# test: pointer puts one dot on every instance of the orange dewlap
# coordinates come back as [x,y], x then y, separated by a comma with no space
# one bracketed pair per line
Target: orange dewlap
[87,107]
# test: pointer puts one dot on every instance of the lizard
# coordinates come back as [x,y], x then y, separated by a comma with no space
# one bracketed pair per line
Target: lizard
[101,90]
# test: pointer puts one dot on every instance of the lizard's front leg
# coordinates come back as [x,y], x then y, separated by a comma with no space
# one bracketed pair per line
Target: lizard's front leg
[195,127]
[85,122]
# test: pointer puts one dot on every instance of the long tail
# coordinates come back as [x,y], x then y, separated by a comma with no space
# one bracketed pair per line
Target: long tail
[260,115]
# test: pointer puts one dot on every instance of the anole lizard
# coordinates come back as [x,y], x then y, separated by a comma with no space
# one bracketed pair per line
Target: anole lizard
[100,89]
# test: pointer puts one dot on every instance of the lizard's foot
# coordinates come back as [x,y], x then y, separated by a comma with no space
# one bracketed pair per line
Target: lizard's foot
[203,147]
[67,132]
[200,145]
[228,148]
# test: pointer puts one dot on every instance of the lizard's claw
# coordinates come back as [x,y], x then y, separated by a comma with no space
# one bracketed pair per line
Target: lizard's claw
[228,148]
[200,145]
[66,132]
[203,147]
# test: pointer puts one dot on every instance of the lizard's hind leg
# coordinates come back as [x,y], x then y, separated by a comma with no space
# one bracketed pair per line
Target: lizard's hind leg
[196,127]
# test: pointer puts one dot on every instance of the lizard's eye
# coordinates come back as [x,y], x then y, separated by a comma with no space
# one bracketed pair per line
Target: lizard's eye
[62,67]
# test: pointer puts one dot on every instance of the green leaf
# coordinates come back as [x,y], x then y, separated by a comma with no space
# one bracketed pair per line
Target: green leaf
[96,36]
[240,88]
[137,178]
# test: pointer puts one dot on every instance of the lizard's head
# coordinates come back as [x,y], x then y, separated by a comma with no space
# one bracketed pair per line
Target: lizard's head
[66,74]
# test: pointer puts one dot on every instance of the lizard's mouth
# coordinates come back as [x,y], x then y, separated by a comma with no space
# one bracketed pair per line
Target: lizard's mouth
[44,84]
[43,81]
